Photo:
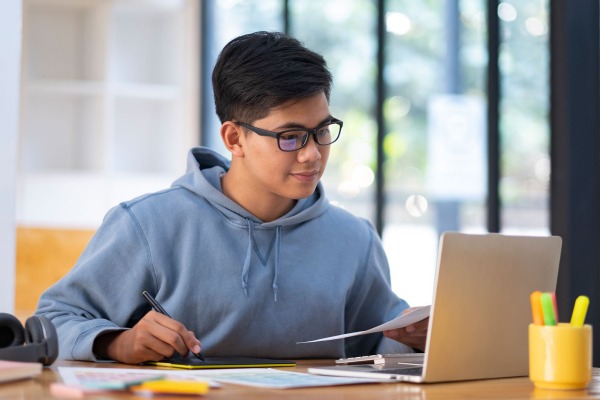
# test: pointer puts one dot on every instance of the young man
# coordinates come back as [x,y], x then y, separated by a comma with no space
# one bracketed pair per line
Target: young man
[247,254]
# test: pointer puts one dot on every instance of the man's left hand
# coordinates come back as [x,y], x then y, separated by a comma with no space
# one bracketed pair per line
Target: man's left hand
[414,335]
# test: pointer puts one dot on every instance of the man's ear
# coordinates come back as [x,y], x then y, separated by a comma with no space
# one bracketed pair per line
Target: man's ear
[232,135]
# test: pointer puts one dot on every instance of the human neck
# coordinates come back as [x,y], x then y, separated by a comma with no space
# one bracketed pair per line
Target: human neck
[265,206]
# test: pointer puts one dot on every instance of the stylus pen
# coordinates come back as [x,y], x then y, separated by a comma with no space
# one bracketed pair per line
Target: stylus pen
[156,305]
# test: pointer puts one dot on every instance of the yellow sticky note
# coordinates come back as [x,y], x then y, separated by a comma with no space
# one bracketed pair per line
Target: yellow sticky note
[168,386]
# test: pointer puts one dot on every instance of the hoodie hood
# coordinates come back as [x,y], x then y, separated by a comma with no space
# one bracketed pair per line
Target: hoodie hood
[205,167]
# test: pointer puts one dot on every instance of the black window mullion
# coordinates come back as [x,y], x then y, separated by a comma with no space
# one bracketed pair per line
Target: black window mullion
[286,17]
[380,98]
[493,118]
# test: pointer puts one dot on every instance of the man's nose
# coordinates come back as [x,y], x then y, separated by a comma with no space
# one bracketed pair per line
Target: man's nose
[310,152]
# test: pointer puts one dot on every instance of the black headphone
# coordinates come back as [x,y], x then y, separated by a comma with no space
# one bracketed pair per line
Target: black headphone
[36,342]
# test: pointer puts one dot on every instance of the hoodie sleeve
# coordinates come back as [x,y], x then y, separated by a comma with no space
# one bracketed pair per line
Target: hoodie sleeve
[371,303]
[103,291]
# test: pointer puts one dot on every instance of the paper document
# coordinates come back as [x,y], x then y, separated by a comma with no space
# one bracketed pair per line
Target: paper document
[92,377]
[417,314]
[277,379]
[15,370]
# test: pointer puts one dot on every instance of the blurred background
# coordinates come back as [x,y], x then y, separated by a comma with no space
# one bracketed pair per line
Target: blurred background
[434,60]
[463,115]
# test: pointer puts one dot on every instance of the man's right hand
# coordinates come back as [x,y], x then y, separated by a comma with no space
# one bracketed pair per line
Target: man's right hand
[153,338]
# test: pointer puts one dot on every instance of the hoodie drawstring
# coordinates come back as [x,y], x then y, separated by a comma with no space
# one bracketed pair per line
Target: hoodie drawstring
[277,240]
[246,267]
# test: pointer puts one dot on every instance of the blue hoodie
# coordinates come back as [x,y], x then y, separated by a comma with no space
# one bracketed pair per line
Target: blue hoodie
[245,287]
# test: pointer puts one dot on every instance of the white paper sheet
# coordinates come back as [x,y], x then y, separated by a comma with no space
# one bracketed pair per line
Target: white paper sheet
[80,376]
[278,379]
[259,377]
[417,314]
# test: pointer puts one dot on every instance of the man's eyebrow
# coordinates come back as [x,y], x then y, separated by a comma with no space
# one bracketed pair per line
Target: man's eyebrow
[291,124]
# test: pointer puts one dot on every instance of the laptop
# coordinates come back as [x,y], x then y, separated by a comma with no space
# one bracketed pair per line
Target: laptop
[480,313]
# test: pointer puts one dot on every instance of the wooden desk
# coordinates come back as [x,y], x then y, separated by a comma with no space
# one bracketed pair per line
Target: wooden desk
[513,388]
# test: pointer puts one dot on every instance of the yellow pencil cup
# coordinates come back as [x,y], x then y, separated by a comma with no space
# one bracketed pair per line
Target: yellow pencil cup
[560,356]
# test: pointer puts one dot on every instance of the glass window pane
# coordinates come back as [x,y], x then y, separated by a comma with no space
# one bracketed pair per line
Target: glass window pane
[435,113]
[524,110]
[436,167]
[236,17]
[228,19]
[343,31]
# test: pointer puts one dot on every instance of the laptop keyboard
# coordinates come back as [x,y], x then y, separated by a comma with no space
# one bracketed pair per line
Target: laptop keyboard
[400,371]
[408,358]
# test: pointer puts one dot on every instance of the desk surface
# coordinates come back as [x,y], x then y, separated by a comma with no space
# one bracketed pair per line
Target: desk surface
[513,388]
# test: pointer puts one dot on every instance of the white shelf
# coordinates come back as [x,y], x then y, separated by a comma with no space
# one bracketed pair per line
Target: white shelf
[65,87]
[44,202]
[146,56]
[148,91]
[63,39]
[106,104]
[61,133]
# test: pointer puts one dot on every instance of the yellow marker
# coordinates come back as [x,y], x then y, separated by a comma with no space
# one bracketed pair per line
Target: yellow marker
[169,386]
[580,310]
[536,308]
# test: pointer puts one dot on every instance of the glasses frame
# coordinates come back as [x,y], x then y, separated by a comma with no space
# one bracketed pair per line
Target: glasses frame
[313,132]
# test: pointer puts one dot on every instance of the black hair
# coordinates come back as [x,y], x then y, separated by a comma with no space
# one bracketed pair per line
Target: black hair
[259,71]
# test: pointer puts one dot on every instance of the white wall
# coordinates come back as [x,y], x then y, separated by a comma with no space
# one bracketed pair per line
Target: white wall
[11,12]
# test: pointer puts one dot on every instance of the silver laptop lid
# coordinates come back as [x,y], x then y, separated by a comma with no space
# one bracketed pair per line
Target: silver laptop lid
[481,310]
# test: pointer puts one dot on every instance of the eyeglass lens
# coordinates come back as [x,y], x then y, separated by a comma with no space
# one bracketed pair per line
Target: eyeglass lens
[294,140]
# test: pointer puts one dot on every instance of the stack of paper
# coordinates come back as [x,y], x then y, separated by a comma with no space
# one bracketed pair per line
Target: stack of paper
[13,370]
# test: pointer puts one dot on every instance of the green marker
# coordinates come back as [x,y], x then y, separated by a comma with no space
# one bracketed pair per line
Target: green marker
[548,309]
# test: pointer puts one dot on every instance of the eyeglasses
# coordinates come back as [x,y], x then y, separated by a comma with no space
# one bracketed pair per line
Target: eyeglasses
[295,139]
